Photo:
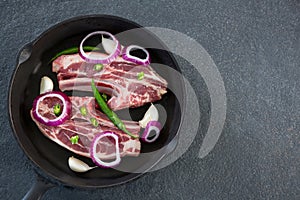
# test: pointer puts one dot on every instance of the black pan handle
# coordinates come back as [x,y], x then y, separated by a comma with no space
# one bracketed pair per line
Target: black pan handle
[38,189]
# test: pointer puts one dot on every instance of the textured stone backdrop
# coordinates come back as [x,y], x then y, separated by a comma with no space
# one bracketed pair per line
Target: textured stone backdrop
[255,45]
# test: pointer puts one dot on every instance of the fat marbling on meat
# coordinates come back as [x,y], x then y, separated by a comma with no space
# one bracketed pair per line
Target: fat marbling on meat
[117,79]
[80,125]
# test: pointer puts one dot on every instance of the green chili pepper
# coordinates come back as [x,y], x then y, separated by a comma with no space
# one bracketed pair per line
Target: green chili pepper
[74,139]
[140,75]
[94,122]
[73,50]
[109,113]
[98,67]
[57,110]
[83,111]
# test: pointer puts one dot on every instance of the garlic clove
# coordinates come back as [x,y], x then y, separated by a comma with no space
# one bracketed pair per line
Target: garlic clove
[109,45]
[46,85]
[150,115]
[78,165]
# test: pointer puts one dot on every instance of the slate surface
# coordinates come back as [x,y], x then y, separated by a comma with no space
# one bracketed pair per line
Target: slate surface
[255,45]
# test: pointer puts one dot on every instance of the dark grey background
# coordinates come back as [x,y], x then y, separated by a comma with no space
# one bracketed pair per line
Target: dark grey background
[255,45]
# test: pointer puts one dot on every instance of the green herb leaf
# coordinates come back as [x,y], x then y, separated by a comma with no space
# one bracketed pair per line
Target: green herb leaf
[104,97]
[94,122]
[98,67]
[74,139]
[140,75]
[83,111]
[57,110]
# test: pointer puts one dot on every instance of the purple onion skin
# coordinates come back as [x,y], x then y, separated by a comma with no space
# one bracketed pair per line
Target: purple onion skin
[137,61]
[104,61]
[146,131]
[62,118]
[110,58]
[92,152]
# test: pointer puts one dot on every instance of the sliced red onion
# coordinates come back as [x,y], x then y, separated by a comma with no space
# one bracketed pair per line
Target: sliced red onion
[93,151]
[151,126]
[65,114]
[92,58]
[126,55]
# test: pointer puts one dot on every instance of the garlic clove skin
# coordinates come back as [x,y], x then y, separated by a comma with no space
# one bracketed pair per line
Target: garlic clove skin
[78,166]
[150,115]
[46,85]
[109,45]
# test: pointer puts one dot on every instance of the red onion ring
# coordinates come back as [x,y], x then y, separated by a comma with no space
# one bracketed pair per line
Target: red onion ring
[96,59]
[93,152]
[152,125]
[126,55]
[65,114]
